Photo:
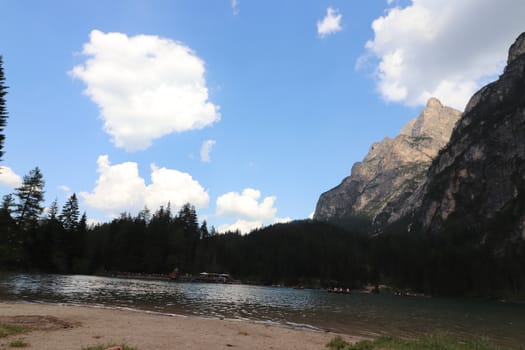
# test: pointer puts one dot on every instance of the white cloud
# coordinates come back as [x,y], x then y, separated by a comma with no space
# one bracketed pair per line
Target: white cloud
[145,86]
[176,187]
[9,178]
[442,48]
[206,150]
[246,208]
[330,24]
[246,205]
[235,6]
[243,226]
[120,188]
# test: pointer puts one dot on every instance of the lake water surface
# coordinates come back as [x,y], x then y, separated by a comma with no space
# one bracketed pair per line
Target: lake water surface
[357,313]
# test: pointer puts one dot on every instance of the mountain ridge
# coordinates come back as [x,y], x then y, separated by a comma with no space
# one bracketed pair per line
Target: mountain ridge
[392,171]
[477,182]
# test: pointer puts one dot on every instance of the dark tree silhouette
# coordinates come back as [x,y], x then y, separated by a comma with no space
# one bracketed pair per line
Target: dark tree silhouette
[52,211]
[30,197]
[203,230]
[3,108]
[70,214]
[8,203]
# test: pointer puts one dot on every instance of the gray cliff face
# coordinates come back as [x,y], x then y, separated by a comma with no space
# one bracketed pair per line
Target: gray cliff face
[386,184]
[477,182]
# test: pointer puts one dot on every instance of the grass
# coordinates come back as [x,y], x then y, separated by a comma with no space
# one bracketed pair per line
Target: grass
[8,329]
[19,343]
[431,342]
[104,347]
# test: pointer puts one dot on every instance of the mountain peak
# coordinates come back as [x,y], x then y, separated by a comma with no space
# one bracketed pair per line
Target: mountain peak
[517,49]
[434,122]
[381,187]
[433,102]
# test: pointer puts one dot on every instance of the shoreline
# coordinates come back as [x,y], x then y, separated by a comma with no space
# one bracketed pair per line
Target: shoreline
[95,325]
[287,325]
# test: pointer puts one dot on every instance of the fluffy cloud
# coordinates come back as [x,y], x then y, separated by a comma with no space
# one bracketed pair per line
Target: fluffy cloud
[145,86]
[442,48]
[250,213]
[206,150]
[330,24]
[246,205]
[169,185]
[120,188]
[9,178]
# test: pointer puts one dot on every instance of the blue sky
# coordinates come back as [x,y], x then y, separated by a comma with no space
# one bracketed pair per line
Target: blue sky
[248,109]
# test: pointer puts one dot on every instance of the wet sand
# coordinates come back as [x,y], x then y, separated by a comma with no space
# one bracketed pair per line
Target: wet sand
[57,327]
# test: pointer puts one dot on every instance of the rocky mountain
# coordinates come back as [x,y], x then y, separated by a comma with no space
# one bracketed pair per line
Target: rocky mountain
[477,183]
[386,184]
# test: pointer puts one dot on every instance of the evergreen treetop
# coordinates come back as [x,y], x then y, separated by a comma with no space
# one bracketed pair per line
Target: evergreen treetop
[70,214]
[30,197]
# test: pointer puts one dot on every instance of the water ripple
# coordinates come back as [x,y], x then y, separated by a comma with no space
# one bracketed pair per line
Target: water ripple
[360,314]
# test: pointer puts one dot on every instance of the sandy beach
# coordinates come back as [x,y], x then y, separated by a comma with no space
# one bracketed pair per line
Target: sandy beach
[57,327]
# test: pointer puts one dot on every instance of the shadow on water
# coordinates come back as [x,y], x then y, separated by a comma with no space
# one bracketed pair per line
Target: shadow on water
[357,313]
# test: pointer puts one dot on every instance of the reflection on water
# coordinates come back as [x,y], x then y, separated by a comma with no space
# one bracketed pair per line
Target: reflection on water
[361,314]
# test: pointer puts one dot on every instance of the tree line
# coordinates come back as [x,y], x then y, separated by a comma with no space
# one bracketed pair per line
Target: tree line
[308,253]
[60,241]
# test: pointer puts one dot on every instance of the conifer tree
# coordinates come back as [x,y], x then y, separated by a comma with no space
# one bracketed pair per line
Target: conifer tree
[10,245]
[8,203]
[3,108]
[203,230]
[70,214]
[145,215]
[53,210]
[82,224]
[6,220]
[188,217]
[30,197]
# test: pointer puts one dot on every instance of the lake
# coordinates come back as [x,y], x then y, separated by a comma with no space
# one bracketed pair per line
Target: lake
[357,313]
